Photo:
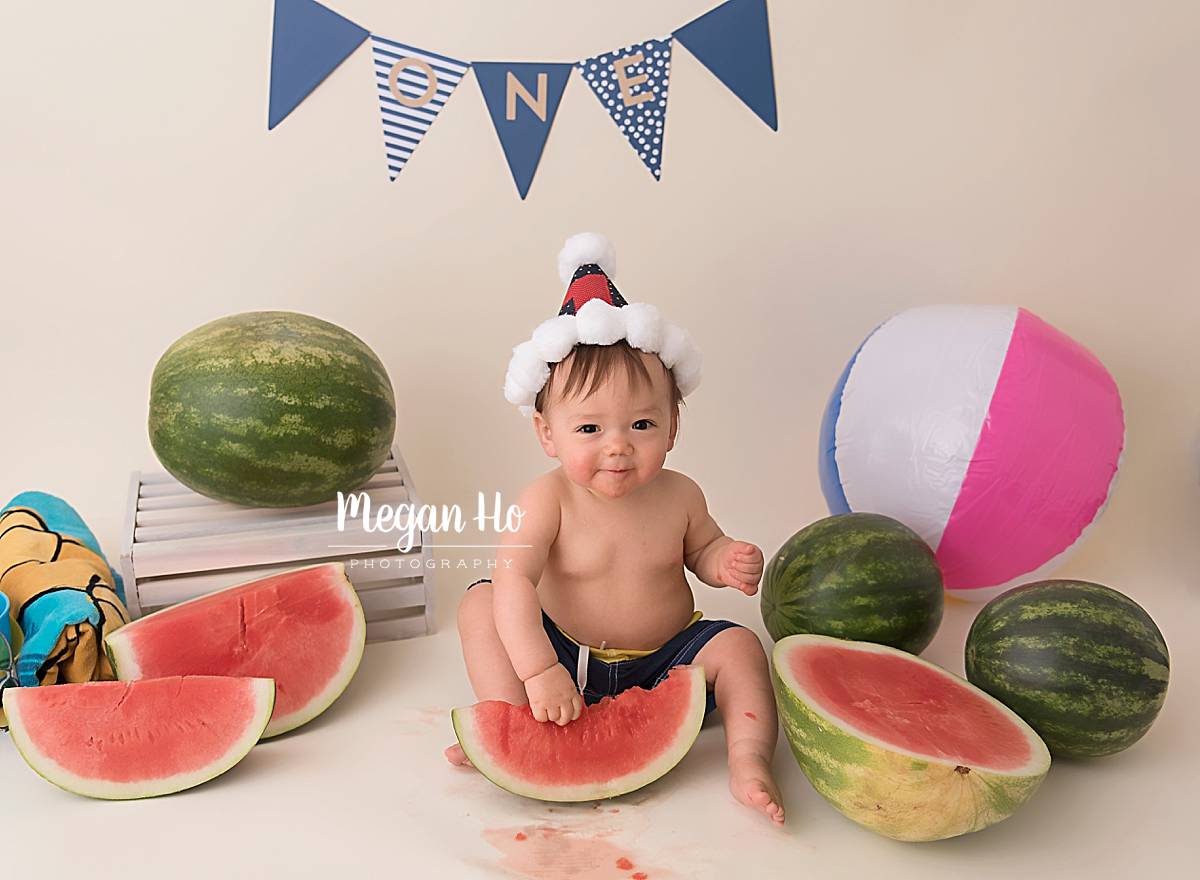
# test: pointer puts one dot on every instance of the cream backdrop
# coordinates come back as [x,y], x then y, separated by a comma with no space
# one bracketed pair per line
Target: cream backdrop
[1037,153]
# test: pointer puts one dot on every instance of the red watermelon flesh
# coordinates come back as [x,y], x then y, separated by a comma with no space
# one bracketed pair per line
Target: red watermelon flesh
[303,628]
[615,746]
[911,706]
[118,739]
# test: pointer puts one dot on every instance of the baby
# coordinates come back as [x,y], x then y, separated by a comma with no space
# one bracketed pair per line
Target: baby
[599,557]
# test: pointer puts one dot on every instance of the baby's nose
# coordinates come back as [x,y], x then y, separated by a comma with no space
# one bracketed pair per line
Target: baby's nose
[619,442]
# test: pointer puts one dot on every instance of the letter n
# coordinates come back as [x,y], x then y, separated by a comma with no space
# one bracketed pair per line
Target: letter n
[514,89]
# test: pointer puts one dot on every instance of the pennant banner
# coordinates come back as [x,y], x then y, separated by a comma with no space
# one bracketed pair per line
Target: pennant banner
[414,85]
[734,42]
[522,99]
[631,84]
[308,41]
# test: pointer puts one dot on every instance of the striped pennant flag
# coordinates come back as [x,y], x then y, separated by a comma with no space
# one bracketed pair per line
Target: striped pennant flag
[414,85]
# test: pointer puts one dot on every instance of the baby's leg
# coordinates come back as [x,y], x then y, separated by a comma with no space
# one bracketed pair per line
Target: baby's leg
[736,667]
[488,667]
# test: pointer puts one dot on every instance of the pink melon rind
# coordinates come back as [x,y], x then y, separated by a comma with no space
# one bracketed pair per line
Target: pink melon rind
[474,739]
[132,661]
[31,744]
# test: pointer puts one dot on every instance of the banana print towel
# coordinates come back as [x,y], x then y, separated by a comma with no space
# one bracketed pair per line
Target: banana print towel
[64,598]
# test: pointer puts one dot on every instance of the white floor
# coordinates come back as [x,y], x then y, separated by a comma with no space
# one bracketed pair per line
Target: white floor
[364,790]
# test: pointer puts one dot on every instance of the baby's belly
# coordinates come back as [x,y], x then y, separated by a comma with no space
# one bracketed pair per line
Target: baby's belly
[621,613]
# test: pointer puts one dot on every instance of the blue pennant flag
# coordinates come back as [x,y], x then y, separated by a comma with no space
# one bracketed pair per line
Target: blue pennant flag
[414,85]
[307,43]
[734,42]
[522,98]
[631,84]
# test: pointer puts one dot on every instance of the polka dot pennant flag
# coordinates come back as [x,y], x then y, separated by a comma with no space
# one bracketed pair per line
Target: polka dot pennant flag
[631,84]
[413,85]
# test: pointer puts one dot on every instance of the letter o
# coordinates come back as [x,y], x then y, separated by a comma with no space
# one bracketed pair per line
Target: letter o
[425,68]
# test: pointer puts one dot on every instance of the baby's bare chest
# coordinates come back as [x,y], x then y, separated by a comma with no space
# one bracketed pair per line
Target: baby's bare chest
[594,543]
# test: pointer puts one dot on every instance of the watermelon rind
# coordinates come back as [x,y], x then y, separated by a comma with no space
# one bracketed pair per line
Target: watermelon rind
[1082,663]
[271,409]
[122,652]
[892,791]
[52,771]
[861,576]
[474,748]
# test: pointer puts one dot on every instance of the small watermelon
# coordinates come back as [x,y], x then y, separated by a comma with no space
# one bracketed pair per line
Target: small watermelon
[271,409]
[133,739]
[616,746]
[858,576]
[303,628]
[900,745]
[1085,665]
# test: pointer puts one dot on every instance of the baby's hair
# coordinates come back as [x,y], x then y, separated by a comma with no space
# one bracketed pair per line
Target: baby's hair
[592,365]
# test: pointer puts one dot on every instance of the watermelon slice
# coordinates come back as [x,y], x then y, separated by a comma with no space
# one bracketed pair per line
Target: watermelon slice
[123,739]
[614,747]
[303,628]
[900,745]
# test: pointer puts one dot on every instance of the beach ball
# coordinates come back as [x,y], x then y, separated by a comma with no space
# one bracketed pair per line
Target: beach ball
[988,432]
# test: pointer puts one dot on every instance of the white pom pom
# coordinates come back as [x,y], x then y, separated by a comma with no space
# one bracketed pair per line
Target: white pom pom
[514,393]
[586,247]
[599,323]
[644,325]
[554,338]
[527,369]
[675,345]
[687,372]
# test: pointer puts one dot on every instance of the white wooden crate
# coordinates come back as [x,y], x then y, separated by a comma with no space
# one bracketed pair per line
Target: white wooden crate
[178,545]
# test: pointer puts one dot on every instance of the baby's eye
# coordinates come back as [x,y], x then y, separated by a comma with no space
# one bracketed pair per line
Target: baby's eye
[588,429]
[643,425]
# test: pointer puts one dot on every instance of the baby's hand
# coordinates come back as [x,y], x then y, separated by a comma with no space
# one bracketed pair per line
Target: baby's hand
[553,697]
[740,566]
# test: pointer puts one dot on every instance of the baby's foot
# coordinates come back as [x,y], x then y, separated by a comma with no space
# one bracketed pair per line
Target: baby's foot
[455,755]
[751,783]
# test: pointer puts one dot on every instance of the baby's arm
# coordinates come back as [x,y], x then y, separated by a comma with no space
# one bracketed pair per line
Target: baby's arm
[713,556]
[518,613]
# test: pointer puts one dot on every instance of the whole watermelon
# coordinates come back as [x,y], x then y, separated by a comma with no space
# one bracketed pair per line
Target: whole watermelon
[271,409]
[860,576]
[1084,665]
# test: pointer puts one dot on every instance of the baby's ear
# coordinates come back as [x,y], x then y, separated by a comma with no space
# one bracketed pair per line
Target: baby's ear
[541,428]
[674,429]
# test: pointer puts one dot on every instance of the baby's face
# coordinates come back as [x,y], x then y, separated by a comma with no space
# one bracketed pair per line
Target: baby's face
[615,440]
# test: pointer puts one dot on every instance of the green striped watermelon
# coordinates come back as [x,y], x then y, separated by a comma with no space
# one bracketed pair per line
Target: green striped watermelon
[271,409]
[899,745]
[1085,665]
[855,576]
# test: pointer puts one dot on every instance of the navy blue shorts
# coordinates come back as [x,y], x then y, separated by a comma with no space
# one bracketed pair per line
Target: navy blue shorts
[607,679]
